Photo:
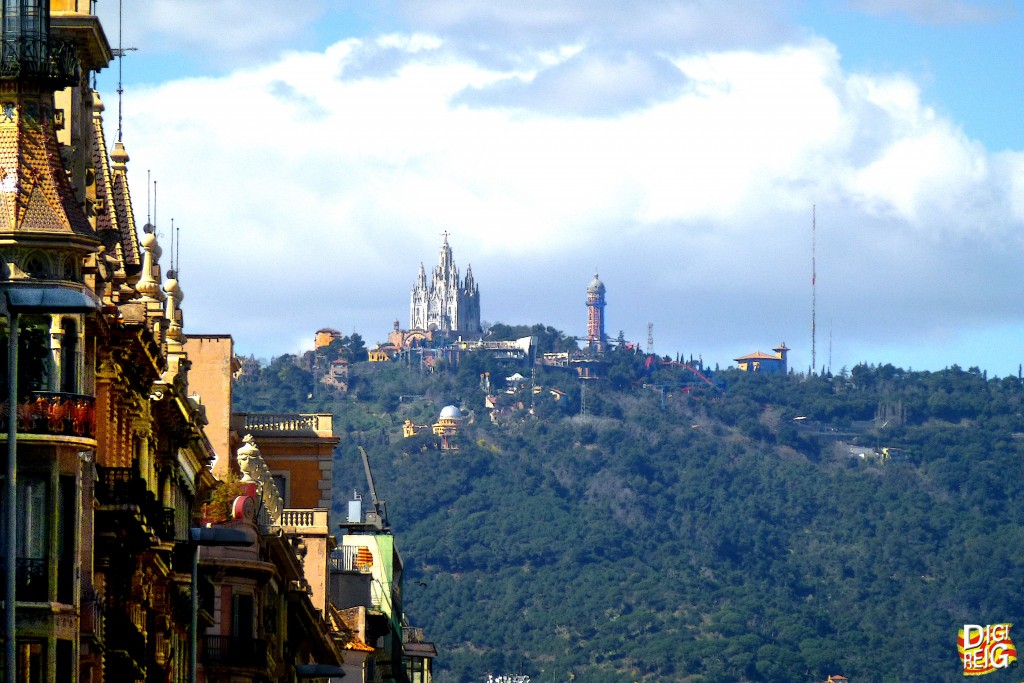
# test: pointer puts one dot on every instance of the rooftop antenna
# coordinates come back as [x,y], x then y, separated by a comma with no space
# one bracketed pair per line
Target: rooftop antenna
[814,290]
[119,53]
[173,272]
[149,227]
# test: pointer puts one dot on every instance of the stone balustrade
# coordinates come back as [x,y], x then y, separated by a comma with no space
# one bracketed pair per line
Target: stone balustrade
[304,520]
[262,423]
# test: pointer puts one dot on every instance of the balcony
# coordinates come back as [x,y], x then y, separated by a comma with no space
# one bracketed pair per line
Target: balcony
[92,616]
[31,579]
[304,521]
[122,636]
[235,652]
[39,57]
[55,414]
[118,486]
[349,558]
[162,519]
[128,518]
[321,424]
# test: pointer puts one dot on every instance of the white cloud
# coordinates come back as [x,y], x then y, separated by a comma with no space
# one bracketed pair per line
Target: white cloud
[308,191]
[937,11]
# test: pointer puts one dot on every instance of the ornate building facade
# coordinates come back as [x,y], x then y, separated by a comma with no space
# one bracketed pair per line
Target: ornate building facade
[108,449]
[446,304]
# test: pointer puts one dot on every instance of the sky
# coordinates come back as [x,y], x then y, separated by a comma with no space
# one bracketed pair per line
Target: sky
[709,160]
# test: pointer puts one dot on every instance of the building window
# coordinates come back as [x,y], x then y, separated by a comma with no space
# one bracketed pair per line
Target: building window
[31,661]
[69,356]
[65,660]
[244,616]
[67,523]
[416,669]
[34,358]
[281,482]
[270,611]
[31,568]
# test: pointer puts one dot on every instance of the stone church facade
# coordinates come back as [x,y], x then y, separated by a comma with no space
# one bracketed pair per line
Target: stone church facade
[446,304]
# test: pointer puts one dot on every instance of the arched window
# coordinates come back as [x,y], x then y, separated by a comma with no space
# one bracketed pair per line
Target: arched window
[71,269]
[35,266]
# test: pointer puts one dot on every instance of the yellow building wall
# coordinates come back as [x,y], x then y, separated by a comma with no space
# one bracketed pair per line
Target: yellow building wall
[304,476]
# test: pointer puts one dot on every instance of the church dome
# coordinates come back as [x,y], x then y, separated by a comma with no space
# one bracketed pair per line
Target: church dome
[451,413]
[596,286]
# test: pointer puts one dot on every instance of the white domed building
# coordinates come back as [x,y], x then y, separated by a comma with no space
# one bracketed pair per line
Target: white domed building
[447,427]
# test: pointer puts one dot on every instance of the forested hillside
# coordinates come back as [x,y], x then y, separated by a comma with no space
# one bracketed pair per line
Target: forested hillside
[766,528]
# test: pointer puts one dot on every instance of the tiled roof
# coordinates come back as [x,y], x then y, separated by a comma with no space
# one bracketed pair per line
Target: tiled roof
[359,646]
[758,355]
[104,220]
[125,218]
[341,627]
[36,192]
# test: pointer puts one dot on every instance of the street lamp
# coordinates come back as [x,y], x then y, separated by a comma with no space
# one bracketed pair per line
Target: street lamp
[198,536]
[17,299]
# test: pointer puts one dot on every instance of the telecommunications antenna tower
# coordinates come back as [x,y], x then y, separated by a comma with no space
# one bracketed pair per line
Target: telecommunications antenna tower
[814,278]
[650,338]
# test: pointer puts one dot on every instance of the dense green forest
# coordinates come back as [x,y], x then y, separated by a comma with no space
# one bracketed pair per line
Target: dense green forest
[655,527]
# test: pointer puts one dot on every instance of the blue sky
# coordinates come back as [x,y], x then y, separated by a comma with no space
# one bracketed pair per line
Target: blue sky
[312,153]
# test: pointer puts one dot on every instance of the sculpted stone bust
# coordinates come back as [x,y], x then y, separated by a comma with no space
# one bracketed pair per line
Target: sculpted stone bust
[248,458]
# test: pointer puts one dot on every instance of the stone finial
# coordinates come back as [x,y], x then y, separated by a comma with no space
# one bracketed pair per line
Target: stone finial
[119,157]
[175,333]
[147,285]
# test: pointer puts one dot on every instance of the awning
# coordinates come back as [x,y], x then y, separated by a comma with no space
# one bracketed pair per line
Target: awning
[36,298]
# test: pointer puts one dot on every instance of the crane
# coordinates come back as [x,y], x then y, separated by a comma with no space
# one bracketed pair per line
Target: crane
[379,516]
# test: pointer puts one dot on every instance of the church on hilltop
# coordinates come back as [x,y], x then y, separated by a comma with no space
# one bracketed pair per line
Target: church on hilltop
[447,304]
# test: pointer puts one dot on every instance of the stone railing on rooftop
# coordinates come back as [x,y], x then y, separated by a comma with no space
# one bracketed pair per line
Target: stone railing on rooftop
[265,423]
[303,520]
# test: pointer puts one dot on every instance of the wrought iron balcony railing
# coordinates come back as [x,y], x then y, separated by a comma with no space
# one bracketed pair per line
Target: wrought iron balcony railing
[118,486]
[54,413]
[31,579]
[39,58]
[233,651]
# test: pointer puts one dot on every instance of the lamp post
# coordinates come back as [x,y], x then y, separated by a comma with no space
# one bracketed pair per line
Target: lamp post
[198,536]
[16,299]
[10,493]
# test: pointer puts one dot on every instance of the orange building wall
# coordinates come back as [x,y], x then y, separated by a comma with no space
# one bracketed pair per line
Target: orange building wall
[213,358]
[309,467]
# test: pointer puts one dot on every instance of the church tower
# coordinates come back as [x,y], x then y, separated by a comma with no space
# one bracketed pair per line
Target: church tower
[447,304]
[596,340]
